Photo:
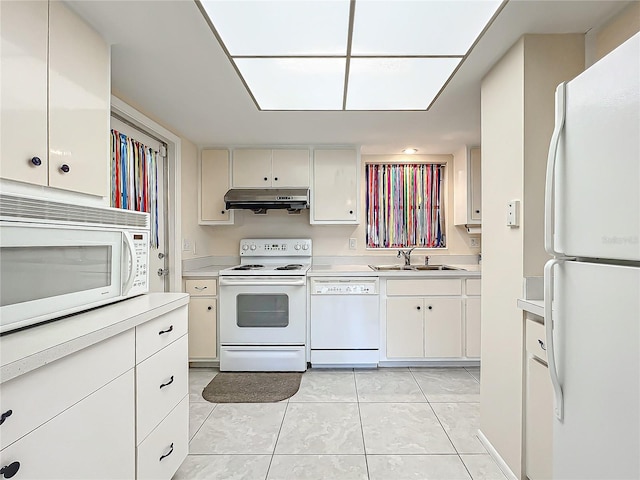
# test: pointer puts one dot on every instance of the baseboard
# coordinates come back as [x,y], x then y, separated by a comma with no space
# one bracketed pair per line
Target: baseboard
[496,456]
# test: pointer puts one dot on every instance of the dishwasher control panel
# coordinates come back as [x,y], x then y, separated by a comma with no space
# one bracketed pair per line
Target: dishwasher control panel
[344,288]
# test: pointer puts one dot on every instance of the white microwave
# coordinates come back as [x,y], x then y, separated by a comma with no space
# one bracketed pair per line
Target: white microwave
[57,259]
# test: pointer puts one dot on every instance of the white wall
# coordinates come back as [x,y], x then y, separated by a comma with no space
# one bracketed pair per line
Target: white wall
[517,105]
[329,240]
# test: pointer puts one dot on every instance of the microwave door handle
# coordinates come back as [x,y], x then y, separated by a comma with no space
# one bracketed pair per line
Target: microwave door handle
[128,243]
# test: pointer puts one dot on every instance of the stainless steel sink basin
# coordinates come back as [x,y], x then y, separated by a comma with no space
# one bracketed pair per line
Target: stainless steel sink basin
[414,268]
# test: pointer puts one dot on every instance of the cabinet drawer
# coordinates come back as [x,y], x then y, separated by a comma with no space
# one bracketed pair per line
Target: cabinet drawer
[90,440]
[160,332]
[161,382]
[38,396]
[425,286]
[164,450]
[473,286]
[197,288]
[536,340]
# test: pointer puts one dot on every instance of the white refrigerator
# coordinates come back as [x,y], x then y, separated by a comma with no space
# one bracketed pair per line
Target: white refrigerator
[592,285]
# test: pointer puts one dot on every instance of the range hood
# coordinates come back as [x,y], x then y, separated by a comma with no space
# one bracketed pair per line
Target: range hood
[259,200]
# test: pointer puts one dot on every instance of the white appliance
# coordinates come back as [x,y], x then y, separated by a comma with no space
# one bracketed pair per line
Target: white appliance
[57,258]
[345,325]
[263,306]
[592,286]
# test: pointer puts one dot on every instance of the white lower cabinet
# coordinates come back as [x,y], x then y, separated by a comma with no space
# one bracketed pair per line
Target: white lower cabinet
[427,318]
[108,411]
[93,439]
[166,447]
[203,319]
[538,404]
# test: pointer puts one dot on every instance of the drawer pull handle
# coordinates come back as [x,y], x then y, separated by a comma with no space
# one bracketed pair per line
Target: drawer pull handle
[541,343]
[168,383]
[167,454]
[10,470]
[200,288]
[5,415]
[170,329]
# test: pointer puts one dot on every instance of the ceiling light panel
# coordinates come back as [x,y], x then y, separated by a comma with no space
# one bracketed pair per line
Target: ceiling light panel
[281,28]
[430,27]
[295,83]
[396,83]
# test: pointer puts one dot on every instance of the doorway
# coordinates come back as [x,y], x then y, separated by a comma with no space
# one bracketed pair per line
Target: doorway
[164,258]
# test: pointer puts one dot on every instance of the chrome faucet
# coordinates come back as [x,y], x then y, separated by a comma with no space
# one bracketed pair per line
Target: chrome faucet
[407,255]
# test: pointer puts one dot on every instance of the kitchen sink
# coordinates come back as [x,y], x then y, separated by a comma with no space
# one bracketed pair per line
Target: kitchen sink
[413,268]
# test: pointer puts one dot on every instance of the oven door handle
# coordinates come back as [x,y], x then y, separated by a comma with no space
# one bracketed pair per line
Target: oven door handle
[265,280]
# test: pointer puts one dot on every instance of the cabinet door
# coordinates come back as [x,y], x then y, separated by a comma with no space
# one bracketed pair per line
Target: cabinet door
[539,421]
[335,187]
[93,439]
[443,327]
[23,91]
[405,327]
[214,183]
[251,168]
[202,328]
[79,104]
[290,168]
[472,327]
[475,192]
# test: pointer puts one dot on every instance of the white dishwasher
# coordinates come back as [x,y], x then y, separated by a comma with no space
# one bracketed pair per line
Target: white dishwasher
[345,322]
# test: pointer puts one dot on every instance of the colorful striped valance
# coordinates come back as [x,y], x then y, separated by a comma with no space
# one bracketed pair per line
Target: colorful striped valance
[134,178]
[405,205]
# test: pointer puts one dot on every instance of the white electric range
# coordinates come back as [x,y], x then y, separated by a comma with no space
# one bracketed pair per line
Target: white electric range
[263,306]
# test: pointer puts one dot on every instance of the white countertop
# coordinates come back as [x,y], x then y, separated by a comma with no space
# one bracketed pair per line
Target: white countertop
[365,271]
[208,271]
[28,349]
[532,306]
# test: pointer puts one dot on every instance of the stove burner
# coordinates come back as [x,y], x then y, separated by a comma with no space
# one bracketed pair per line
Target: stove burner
[248,267]
[292,266]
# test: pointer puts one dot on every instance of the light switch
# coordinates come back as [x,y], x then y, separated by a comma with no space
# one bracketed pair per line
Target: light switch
[513,213]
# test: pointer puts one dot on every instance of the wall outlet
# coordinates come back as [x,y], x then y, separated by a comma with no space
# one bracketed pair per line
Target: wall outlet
[187,245]
[353,243]
[474,242]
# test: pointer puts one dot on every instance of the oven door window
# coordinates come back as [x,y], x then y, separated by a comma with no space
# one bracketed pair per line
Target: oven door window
[262,310]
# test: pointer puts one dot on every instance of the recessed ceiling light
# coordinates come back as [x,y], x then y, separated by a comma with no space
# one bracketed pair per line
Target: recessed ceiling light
[410,151]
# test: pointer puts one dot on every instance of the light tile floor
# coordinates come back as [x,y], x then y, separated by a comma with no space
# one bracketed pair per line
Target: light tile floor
[384,424]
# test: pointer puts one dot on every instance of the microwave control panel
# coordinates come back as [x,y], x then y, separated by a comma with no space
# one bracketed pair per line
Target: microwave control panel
[141,252]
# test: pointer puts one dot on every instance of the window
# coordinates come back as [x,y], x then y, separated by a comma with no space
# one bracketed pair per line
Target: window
[405,205]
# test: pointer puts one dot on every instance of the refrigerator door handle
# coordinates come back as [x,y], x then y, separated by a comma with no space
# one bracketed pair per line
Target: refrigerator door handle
[549,187]
[548,325]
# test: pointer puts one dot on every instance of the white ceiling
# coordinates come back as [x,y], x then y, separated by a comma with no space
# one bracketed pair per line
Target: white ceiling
[166,61]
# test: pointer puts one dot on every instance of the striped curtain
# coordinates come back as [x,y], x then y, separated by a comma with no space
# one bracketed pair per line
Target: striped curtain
[405,206]
[134,178]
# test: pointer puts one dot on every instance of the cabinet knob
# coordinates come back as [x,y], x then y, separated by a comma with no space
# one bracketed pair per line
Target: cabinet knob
[36,162]
[5,415]
[418,308]
[430,307]
[276,179]
[65,168]
[477,211]
[350,212]
[168,383]
[222,212]
[209,307]
[265,179]
[10,470]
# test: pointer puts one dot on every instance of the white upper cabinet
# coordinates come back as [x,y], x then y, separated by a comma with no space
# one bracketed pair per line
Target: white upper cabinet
[335,193]
[23,87]
[266,168]
[55,72]
[79,103]
[214,183]
[467,188]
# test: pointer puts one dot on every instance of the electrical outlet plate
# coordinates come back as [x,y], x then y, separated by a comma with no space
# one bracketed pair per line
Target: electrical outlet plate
[187,245]
[353,243]
[474,242]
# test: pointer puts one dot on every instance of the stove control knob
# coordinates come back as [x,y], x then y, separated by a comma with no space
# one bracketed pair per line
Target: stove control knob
[305,247]
[297,247]
[245,247]
[253,247]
